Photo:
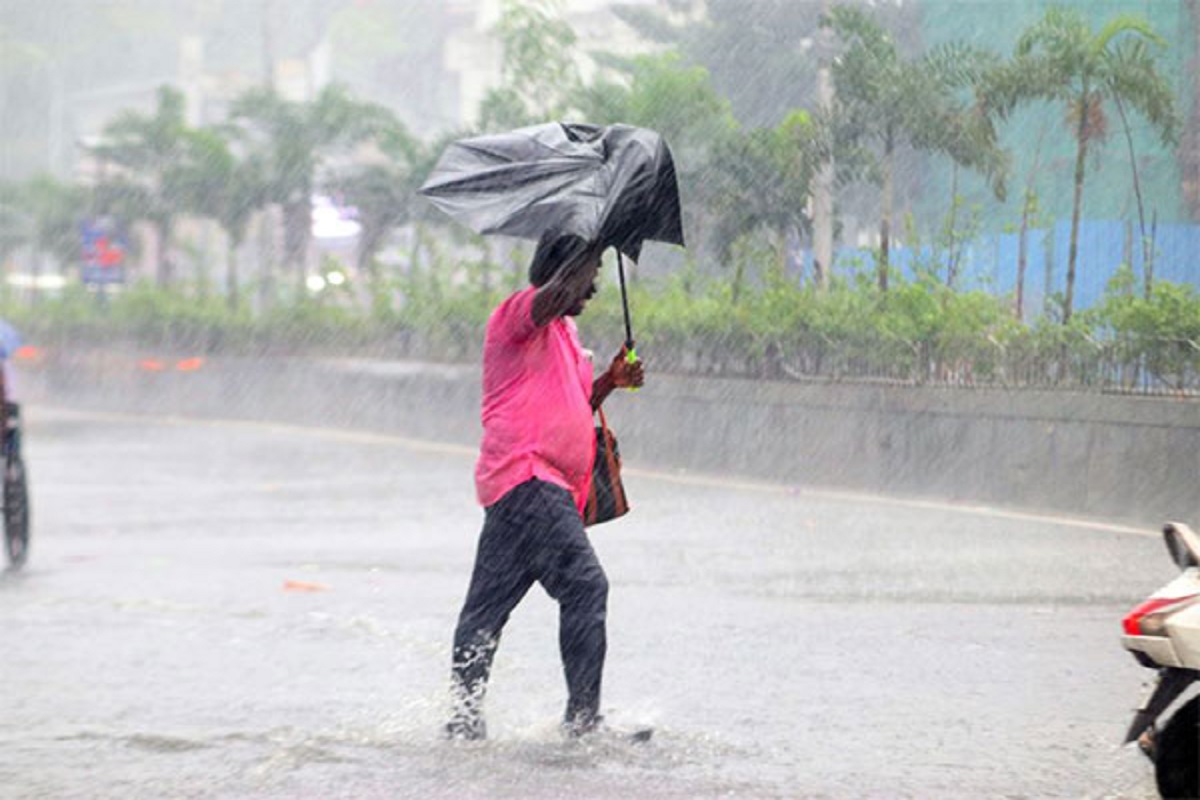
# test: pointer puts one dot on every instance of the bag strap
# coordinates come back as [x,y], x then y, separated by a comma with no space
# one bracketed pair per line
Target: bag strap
[603,421]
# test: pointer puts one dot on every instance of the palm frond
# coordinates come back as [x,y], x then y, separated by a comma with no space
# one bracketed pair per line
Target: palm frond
[1131,74]
[1060,31]
[1020,80]
[1124,23]
[958,65]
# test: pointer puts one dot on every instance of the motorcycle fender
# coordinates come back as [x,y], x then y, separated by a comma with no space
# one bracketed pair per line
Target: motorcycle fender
[1183,629]
[1159,649]
[1171,683]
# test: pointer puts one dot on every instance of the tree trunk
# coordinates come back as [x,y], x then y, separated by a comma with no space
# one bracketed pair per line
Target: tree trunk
[1148,268]
[951,255]
[162,233]
[1137,191]
[231,275]
[1028,207]
[885,221]
[1022,257]
[297,228]
[267,232]
[1127,244]
[371,237]
[414,258]
[739,274]
[39,261]
[370,240]
[485,269]
[1077,204]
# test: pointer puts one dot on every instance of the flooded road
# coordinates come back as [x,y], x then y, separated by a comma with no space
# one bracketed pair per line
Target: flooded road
[244,610]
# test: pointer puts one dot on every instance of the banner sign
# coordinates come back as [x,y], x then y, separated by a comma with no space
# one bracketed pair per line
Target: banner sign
[104,252]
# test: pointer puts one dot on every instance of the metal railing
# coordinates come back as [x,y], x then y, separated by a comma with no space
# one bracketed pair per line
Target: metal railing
[1126,365]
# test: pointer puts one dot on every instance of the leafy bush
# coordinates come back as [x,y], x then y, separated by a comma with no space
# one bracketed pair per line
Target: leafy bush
[1158,334]
[918,331]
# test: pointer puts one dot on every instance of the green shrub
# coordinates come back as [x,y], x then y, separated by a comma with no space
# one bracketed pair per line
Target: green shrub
[773,326]
[1158,334]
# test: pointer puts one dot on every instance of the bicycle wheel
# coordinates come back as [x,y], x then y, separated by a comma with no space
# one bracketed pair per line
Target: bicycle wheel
[16,513]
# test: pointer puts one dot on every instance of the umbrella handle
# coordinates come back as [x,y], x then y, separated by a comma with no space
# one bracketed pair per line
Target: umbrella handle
[631,357]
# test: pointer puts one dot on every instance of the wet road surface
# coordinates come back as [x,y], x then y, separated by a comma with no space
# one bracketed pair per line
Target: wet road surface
[244,610]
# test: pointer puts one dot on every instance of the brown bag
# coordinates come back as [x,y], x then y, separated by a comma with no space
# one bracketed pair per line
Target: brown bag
[606,498]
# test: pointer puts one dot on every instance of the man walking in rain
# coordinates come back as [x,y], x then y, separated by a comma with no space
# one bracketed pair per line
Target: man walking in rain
[532,478]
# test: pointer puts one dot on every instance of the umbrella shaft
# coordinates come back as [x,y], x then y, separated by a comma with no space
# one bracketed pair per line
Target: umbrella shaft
[624,300]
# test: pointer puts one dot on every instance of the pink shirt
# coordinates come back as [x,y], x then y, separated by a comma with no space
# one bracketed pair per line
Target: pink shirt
[537,412]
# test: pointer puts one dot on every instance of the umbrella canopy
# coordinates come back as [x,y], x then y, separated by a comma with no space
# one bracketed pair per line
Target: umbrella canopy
[614,185]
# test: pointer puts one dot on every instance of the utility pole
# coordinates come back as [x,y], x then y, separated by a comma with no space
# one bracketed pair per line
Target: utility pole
[822,191]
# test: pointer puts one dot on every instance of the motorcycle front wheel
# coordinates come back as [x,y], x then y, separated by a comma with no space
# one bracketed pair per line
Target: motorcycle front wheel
[16,513]
[1177,753]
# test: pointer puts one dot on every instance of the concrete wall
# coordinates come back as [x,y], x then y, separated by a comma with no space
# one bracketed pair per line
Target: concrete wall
[1133,459]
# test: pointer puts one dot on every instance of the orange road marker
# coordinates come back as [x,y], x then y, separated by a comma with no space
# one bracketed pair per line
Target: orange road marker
[303,586]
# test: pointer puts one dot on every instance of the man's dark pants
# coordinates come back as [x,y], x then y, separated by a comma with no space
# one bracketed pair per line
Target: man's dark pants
[533,533]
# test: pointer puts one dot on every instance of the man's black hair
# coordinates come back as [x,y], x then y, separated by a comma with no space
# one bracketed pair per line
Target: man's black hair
[553,252]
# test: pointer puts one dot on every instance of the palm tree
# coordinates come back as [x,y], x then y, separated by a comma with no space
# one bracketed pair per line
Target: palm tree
[215,183]
[891,100]
[678,100]
[760,180]
[44,213]
[1060,58]
[294,141]
[15,225]
[149,149]
[384,193]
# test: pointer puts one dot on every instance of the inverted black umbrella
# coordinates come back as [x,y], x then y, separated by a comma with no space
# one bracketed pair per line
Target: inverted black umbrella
[614,185]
